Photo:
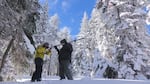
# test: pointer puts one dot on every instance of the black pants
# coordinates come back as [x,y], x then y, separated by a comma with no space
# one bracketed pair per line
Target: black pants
[65,70]
[38,69]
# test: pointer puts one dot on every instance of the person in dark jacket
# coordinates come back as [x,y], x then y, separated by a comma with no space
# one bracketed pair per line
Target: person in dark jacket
[65,60]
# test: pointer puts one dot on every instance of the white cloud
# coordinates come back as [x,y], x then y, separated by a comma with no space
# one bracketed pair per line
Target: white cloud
[72,20]
[65,5]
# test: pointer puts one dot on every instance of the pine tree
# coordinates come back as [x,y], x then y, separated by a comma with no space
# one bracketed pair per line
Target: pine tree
[148,18]
[47,29]
[42,24]
[64,33]
[81,62]
[123,39]
[17,20]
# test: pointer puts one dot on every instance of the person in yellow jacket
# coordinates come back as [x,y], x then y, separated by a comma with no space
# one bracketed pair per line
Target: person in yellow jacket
[40,51]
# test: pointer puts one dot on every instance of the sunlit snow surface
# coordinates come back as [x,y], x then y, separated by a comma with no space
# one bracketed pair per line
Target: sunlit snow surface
[78,80]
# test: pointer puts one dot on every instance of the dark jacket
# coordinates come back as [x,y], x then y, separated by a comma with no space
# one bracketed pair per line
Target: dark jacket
[65,52]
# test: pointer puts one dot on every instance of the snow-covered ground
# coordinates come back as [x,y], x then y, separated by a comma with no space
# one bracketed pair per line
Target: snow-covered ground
[78,80]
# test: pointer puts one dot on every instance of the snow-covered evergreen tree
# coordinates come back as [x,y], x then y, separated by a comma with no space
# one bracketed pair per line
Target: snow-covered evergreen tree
[53,39]
[17,19]
[47,29]
[54,22]
[123,38]
[42,24]
[81,63]
[64,33]
[148,15]
[98,63]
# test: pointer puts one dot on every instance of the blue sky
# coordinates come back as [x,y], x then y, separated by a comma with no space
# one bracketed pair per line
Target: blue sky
[70,12]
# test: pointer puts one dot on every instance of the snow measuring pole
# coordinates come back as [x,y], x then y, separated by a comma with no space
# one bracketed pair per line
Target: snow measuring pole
[69,42]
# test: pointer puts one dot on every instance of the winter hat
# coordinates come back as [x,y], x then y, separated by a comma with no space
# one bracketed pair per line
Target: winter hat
[63,41]
[46,45]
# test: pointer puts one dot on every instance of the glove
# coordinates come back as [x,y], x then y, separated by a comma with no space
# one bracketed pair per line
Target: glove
[49,49]
[55,47]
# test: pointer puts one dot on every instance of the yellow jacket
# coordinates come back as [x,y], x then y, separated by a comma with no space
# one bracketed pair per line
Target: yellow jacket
[40,51]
